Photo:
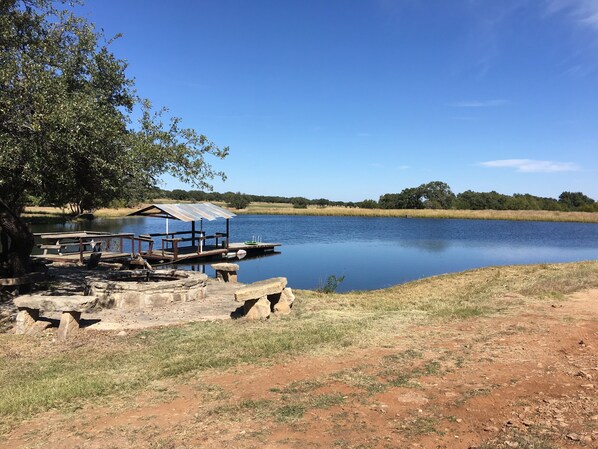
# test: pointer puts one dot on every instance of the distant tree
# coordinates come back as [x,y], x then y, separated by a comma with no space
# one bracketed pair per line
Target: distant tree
[180,195]
[321,202]
[482,200]
[368,204]
[436,195]
[238,201]
[197,195]
[433,195]
[299,202]
[575,200]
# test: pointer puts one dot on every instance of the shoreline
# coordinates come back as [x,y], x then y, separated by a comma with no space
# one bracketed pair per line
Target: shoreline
[41,215]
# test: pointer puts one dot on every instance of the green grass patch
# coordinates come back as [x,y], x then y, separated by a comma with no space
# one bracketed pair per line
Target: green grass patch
[28,386]
[36,374]
[290,412]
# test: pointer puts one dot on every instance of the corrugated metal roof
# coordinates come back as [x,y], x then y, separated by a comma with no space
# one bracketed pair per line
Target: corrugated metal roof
[185,212]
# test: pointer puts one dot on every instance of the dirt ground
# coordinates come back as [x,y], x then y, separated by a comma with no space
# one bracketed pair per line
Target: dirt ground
[526,380]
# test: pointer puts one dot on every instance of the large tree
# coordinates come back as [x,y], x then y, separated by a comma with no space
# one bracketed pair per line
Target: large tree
[66,134]
[433,195]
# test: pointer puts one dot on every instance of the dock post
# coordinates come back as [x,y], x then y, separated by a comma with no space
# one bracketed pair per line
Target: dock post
[227,231]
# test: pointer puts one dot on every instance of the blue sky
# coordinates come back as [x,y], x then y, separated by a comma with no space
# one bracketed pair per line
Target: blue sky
[351,99]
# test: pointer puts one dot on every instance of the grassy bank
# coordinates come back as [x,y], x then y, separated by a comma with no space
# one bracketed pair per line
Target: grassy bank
[36,374]
[48,213]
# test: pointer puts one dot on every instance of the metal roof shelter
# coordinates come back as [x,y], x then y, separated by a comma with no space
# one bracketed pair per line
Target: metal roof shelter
[188,213]
[185,212]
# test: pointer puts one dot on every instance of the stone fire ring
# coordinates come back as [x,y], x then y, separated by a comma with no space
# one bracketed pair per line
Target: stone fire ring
[140,289]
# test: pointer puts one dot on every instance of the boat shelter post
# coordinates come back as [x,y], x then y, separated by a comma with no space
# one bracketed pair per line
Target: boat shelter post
[192,233]
[201,234]
[227,231]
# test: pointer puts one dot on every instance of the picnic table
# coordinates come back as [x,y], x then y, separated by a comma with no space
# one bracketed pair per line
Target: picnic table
[82,241]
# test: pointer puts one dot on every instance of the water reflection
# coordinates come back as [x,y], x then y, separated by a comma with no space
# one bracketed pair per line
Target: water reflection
[432,246]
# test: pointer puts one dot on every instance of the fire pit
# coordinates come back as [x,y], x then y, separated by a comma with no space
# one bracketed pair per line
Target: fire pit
[141,289]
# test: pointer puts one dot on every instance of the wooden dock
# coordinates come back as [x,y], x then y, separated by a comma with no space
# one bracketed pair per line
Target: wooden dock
[162,248]
[194,254]
[184,254]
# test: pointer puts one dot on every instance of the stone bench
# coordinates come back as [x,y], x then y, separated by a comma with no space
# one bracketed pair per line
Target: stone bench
[29,307]
[263,297]
[226,272]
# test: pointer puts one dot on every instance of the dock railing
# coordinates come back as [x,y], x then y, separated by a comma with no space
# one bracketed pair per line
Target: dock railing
[124,243]
[171,241]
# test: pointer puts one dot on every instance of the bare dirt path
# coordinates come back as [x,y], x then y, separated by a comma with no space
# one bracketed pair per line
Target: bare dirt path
[526,380]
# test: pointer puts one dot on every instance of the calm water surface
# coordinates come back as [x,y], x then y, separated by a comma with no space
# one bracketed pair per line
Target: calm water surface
[379,252]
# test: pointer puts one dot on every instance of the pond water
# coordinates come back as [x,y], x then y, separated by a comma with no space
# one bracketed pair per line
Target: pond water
[377,252]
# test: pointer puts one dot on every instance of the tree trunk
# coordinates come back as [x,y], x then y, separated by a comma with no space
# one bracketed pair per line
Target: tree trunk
[21,242]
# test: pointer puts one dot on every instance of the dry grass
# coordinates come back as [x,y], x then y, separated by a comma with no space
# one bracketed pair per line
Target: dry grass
[516,215]
[287,209]
[36,374]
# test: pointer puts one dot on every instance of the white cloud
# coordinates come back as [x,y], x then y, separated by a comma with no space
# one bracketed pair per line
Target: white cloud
[584,12]
[404,167]
[480,104]
[532,166]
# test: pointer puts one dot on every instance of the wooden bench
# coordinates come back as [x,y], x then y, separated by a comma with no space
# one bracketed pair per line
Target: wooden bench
[58,248]
[29,307]
[226,272]
[263,297]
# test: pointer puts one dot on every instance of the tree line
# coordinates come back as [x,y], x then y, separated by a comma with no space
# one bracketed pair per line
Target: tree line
[432,195]
[438,195]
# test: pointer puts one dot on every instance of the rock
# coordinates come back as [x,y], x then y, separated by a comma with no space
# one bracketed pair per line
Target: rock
[287,294]
[56,303]
[259,289]
[225,266]
[26,318]
[285,302]
[491,429]
[38,328]
[573,437]
[226,272]
[257,309]
[69,323]
[122,334]
[282,307]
